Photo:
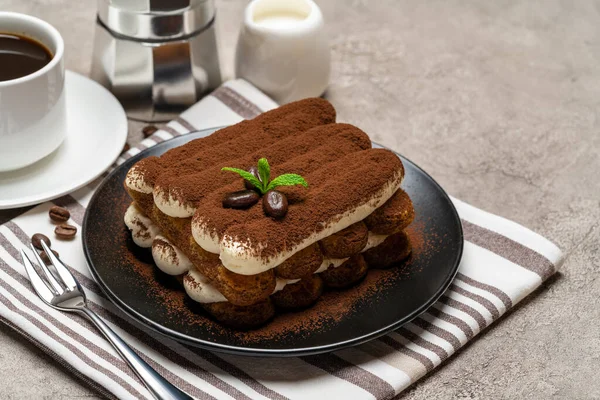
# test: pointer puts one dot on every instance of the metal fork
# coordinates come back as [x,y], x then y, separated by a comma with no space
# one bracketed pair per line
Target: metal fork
[61,290]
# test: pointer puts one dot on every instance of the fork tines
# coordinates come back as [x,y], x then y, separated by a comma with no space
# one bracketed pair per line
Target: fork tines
[48,283]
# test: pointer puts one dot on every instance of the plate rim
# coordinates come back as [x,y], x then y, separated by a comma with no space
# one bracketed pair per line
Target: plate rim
[43,197]
[264,352]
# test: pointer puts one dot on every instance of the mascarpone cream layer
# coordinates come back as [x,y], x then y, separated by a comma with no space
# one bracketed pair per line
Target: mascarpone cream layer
[170,205]
[168,258]
[330,263]
[205,237]
[143,230]
[135,181]
[374,240]
[243,257]
[171,260]
[281,283]
[200,289]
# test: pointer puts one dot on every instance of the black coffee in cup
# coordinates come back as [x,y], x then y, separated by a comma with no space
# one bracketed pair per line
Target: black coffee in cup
[21,56]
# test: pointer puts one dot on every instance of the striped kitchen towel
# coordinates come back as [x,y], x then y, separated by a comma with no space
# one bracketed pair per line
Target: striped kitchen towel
[502,263]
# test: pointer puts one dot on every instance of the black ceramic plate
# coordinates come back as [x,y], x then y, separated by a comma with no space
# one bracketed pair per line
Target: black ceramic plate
[384,301]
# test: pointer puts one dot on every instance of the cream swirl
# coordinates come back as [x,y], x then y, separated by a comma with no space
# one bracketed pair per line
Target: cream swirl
[143,230]
[135,180]
[171,205]
[168,258]
[198,287]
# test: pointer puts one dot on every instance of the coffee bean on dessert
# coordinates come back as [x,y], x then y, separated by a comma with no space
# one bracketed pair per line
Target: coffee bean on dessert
[45,258]
[149,130]
[36,241]
[65,231]
[254,171]
[275,204]
[59,214]
[240,199]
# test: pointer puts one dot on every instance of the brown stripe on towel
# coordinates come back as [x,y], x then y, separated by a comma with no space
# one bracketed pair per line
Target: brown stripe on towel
[504,298]
[88,381]
[476,315]
[426,344]
[183,122]
[236,102]
[479,299]
[237,373]
[351,373]
[427,363]
[156,138]
[171,131]
[140,146]
[509,249]
[439,332]
[126,155]
[451,319]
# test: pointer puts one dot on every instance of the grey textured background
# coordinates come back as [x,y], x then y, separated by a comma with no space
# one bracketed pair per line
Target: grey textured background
[499,101]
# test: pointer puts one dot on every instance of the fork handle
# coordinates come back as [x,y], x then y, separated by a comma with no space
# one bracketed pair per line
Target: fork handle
[156,384]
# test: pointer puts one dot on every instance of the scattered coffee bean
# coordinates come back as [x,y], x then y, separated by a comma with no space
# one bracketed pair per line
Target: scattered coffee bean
[240,199]
[46,259]
[254,171]
[125,148]
[275,204]
[65,231]
[36,241]
[59,214]
[149,130]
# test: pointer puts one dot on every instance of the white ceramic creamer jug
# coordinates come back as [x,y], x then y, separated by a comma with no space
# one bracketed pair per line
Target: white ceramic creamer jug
[283,50]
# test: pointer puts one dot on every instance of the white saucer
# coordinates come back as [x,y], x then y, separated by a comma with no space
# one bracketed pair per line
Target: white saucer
[97,133]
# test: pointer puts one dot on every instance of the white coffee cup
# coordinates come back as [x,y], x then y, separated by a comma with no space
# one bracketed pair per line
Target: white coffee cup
[33,115]
[283,50]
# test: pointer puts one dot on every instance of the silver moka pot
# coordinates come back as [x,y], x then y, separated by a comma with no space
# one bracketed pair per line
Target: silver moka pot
[157,57]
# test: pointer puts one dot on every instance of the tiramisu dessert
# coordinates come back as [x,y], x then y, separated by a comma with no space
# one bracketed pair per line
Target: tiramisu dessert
[262,216]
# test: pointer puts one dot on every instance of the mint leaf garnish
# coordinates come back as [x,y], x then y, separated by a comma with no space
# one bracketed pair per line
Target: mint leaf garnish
[264,171]
[247,176]
[287,180]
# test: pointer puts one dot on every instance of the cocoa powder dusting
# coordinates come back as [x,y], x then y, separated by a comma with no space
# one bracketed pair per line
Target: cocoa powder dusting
[200,153]
[167,248]
[337,188]
[143,233]
[300,152]
[424,244]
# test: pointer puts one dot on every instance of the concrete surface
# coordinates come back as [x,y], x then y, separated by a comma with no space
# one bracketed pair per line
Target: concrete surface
[500,102]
